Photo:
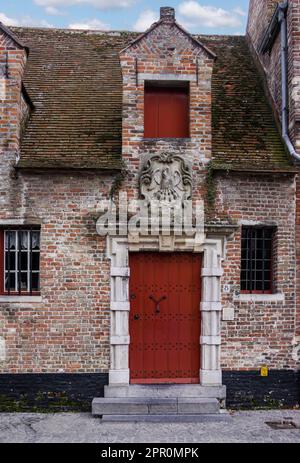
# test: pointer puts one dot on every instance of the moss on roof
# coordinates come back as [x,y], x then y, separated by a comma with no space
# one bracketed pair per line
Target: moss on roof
[245,134]
[74,80]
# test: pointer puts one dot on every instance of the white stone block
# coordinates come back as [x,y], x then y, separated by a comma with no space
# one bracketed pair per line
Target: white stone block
[120,306]
[212,272]
[2,89]
[228,314]
[120,272]
[2,349]
[211,377]
[211,307]
[210,340]
[118,377]
[119,340]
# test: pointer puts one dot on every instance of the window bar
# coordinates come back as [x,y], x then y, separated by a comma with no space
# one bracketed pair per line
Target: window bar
[250,258]
[255,244]
[30,262]
[263,261]
[271,287]
[19,260]
[8,261]
[244,234]
[136,73]
[244,264]
[257,252]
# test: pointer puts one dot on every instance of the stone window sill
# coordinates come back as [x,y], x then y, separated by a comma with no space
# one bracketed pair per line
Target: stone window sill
[277,297]
[20,299]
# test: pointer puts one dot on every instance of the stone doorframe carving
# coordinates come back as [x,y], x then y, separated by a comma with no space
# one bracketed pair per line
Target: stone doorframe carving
[118,251]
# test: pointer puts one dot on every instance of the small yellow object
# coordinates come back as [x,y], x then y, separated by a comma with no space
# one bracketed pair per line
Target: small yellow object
[264,371]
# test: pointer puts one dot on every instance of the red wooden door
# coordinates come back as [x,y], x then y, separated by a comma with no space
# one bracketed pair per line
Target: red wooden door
[166,113]
[165,335]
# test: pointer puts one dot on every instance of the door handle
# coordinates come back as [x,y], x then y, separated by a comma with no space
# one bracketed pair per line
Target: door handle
[157,302]
[136,317]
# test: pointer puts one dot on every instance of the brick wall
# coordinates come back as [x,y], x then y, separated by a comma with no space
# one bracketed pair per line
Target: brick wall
[69,330]
[62,392]
[294,107]
[294,70]
[260,14]
[297,340]
[12,62]
[247,389]
[262,332]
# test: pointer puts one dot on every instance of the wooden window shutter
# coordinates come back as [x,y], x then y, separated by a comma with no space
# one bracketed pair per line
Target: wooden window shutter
[166,112]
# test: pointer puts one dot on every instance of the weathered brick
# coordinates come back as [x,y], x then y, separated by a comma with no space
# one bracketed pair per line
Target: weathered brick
[69,330]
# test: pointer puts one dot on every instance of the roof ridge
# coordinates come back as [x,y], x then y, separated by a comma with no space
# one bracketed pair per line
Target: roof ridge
[113,32]
[72,31]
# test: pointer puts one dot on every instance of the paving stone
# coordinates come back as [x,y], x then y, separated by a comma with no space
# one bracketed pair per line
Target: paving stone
[244,427]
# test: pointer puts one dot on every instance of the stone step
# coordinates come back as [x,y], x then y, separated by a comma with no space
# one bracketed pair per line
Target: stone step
[166,391]
[211,418]
[197,406]
[154,406]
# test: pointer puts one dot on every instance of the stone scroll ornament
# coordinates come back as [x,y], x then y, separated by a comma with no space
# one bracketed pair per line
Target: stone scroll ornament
[166,178]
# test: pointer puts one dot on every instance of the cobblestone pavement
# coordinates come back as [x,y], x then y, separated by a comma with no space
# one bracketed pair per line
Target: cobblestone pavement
[82,427]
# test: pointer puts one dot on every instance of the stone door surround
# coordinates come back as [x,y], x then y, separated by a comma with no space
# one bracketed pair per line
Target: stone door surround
[118,251]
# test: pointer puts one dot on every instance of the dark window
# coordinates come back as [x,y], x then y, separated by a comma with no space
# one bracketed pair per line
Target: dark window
[20,261]
[166,111]
[256,265]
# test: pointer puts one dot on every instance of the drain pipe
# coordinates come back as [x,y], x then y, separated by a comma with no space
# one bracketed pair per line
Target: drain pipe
[282,19]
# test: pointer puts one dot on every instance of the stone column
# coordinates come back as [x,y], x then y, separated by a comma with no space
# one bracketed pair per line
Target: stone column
[120,307]
[211,307]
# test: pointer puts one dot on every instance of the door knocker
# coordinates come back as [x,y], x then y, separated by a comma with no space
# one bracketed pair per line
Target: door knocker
[157,302]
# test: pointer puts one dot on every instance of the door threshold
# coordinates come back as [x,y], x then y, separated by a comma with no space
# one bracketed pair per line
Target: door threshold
[166,391]
[168,382]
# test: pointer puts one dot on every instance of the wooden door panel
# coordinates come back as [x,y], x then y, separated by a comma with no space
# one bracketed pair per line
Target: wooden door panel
[164,345]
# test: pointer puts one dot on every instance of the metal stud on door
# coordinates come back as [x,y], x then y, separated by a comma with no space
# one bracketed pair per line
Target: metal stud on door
[165,294]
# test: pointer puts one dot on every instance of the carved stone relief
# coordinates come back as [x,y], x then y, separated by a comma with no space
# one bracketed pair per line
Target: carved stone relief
[167,178]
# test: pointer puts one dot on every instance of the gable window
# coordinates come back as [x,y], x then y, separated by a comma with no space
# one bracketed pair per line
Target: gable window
[257,258]
[19,261]
[166,110]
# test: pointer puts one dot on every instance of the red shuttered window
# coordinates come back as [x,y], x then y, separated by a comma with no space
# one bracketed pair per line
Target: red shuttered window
[166,112]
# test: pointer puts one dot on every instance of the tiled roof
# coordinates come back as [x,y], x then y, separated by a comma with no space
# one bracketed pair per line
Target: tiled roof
[74,81]
[245,134]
